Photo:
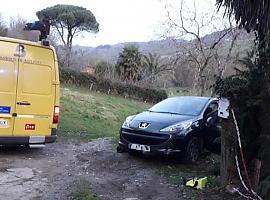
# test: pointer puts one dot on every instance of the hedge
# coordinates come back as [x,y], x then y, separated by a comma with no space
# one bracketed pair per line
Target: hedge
[82,79]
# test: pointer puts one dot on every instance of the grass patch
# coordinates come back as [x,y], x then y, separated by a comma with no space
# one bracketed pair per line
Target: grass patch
[89,115]
[208,166]
[84,192]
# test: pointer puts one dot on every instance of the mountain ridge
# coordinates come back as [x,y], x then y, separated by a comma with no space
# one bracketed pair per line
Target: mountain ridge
[164,47]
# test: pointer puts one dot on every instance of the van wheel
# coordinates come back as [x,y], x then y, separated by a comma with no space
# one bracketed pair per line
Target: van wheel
[193,150]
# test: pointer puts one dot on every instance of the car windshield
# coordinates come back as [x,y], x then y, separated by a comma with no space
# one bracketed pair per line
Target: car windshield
[180,105]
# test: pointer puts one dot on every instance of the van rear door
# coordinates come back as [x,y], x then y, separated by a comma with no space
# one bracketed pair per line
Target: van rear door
[8,83]
[35,92]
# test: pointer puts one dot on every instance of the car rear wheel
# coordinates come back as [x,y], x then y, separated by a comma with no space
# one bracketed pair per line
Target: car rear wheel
[193,150]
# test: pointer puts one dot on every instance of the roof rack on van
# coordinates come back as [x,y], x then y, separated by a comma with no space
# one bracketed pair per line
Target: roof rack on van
[43,26]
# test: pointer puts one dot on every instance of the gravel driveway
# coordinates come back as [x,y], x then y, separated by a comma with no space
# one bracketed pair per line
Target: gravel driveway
[55,171]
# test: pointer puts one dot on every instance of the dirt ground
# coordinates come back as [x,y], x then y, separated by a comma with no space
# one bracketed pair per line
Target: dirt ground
[55,171]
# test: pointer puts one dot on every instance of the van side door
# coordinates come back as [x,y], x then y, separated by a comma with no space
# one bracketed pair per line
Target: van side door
[8,86]
[35,93]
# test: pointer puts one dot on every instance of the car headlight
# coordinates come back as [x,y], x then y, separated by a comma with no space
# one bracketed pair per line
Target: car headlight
[127,121]
[178,127]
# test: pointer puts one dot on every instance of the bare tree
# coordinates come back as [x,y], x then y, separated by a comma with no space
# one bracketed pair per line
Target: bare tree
[182,73]
[3,28]
[193,24]
[105,69]
[15,30]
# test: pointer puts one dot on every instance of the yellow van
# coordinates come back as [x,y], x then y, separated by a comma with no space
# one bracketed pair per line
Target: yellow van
[29,92]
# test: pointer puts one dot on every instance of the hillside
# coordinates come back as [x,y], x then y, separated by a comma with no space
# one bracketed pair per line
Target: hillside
[165,47]
[110,52]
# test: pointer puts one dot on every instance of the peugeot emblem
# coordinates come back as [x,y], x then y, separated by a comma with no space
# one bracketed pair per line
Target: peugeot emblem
[144,125]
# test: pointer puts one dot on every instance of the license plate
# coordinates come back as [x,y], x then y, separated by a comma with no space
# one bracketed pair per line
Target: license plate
[4,123]
[140,147]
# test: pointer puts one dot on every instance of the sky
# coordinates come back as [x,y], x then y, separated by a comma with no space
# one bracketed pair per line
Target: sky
[119,20]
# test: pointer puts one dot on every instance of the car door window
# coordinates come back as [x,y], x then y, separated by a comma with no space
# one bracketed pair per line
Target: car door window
[210,108]
[212,111]
[213,106]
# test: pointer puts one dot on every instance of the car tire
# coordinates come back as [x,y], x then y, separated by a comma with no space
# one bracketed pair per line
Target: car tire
[193,150]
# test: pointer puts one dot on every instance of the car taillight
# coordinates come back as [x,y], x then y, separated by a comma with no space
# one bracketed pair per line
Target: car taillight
[56,114]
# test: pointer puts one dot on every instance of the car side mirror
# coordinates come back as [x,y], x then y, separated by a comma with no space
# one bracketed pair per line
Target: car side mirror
[209,121]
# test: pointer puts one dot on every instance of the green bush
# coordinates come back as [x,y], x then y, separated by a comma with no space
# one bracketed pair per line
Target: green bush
[69,76]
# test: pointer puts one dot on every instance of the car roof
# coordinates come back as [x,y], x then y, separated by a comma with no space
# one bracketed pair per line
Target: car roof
[195,97]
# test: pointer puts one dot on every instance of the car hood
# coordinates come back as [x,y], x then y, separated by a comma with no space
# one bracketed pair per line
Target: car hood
[157,121]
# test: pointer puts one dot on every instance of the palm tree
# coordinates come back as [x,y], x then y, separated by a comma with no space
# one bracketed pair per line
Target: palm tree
[249,14]
[153,65]
[152,62]
[129,63]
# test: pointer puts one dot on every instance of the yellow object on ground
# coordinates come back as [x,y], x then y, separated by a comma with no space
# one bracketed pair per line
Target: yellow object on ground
[197,183]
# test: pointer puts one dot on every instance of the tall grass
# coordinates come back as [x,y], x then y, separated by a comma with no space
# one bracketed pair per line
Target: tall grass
[88,115]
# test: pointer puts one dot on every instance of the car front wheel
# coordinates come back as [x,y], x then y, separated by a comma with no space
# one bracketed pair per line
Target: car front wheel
[193,150]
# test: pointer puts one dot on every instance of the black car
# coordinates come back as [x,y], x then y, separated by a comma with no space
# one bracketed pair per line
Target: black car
[185,124]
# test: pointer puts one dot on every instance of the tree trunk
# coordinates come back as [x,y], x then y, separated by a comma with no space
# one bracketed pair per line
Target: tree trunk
[264,117]
[68,57]
[228,139]
[264,188]
[198,85]
[256,174]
